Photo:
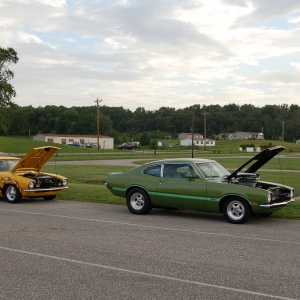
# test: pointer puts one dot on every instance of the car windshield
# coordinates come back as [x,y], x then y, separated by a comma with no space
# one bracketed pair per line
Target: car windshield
[7,165]
[212,169]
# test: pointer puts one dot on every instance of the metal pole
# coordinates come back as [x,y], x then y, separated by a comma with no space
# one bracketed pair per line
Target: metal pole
[205,113]
[193,132]
[98,121]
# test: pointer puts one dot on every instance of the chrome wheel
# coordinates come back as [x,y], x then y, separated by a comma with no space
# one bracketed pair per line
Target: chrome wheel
[12,194]
[137,201]
[236,210]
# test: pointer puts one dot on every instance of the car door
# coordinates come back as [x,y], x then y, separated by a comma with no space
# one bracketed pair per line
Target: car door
[180,186]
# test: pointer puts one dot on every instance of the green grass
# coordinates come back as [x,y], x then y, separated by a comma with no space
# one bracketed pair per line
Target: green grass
[19,146]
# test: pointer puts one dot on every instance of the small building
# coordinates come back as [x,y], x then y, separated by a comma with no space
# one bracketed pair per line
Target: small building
[105,142]
[246,136]
[241,136]
[188,135]
[198,142]
[223,136]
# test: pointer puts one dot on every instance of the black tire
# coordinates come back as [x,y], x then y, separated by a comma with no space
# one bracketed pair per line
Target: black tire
[266,215]
[236,210]
[138,202]
[50,197]
[12,194]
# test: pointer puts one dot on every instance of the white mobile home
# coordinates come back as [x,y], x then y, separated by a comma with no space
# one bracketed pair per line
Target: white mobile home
[105,142]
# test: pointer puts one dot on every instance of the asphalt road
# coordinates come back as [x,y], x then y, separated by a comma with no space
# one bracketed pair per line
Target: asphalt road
[75,250]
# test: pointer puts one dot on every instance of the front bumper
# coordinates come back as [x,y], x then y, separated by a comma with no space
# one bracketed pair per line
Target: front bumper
[46,190]
[275,205]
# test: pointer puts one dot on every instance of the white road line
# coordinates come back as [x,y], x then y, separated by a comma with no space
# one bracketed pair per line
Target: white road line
[157,227]
[147,274]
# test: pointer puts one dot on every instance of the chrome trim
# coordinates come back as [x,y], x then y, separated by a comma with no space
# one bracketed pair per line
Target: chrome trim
[45,190]
[277,204]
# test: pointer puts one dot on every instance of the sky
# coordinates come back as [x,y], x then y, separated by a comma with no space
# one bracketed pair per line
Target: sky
[153,53]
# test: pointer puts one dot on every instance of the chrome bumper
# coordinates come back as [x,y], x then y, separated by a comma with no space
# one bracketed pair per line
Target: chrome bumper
[45,190]
[277,204]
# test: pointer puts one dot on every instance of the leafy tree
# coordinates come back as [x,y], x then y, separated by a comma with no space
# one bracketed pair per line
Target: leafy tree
[7,91]
[145,139]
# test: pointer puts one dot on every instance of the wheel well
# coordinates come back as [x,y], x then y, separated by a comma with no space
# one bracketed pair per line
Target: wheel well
[221,204]
[136,187]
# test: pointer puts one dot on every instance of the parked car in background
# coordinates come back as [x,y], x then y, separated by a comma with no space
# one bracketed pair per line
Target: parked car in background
[22,177]
[204,185]
[129,146]
[76,144]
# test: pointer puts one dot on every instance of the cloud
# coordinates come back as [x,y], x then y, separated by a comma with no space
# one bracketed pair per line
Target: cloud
[145,53]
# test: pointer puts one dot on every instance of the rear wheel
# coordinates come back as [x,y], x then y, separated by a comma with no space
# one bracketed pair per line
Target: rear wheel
[12,194]
[138,202]
[236,210]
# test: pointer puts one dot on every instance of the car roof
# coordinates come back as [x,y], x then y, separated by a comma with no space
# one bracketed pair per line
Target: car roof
[182,160]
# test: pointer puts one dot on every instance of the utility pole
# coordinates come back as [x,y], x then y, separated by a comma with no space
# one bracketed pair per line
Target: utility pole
[193,132]
[283,131]
[98,121]
[205,113]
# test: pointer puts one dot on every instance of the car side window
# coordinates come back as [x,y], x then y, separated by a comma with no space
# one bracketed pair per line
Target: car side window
[179,171]
[153,170]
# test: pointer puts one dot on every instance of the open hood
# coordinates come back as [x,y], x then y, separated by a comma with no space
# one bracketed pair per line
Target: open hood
[259,160]
[35,159]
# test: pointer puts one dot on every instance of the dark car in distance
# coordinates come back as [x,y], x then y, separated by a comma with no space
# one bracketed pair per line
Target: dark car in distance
[129,146]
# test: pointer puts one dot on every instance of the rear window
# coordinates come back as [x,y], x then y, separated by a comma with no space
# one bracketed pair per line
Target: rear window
[153,170]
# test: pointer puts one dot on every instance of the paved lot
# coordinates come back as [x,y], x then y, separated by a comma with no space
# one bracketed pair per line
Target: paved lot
[73,250]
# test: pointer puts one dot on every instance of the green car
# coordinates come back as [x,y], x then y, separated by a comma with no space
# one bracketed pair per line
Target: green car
[202,184]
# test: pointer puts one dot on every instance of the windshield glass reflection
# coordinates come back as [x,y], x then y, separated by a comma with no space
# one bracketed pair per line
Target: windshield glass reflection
[212,169]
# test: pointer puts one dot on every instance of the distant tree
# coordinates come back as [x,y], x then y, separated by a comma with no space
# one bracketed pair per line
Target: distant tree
[145,139]
[7,91]
[154,145]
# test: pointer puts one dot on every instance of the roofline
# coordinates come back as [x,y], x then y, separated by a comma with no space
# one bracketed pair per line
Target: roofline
[74,135]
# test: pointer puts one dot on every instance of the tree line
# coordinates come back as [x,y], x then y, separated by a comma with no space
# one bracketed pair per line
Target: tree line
[275,121]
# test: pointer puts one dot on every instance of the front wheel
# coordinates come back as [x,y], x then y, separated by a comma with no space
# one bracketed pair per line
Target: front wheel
[236,210]
[12,194]
[138,202]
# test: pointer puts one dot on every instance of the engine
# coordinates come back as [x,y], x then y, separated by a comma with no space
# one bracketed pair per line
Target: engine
[43,181]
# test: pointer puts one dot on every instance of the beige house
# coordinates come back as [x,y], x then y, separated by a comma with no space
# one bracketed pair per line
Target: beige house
[246,136]
[241,136]
[188,135]
[105,142]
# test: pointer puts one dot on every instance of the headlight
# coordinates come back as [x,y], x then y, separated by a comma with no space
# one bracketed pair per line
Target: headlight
[31,184]
[269,198]
[292,194]
[65,182]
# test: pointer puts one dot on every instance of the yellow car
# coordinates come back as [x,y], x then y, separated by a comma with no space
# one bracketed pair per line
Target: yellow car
[22,177]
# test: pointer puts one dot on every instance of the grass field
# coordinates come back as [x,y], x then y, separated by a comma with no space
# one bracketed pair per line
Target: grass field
[86,183]
[23,145]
